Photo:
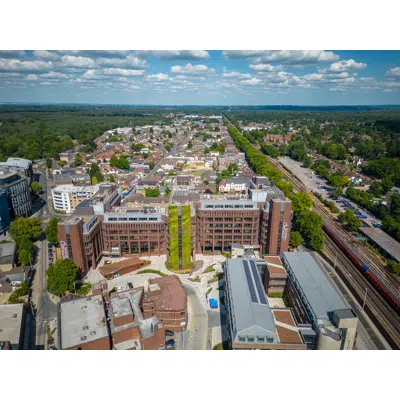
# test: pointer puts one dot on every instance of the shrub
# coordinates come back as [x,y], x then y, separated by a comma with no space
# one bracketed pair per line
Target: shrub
[152,271]
[275,295]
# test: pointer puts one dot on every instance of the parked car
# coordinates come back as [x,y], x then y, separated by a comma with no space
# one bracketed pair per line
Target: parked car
[169,333]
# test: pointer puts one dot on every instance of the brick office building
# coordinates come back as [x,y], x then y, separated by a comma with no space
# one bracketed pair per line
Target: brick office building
[167,299]
[102,226]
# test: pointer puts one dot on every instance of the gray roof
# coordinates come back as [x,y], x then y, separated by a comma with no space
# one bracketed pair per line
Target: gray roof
[384,241]
[248,317]
[10,323]
[7,253]
[83,320]
[318,290]
[19,162]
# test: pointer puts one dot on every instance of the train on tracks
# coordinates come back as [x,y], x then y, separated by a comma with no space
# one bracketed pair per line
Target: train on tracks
[365,270]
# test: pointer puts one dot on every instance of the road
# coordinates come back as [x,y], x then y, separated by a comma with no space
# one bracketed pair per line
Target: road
[46,309]
[195,337]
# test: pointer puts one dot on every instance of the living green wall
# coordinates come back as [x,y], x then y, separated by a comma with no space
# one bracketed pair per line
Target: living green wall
[186,237]
[173,236]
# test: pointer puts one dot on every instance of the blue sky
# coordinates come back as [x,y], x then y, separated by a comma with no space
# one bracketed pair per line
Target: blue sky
[248,77]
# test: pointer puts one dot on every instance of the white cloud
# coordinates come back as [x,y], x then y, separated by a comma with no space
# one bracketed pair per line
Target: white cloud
[128,62]
[344,66]
[284,56]
[192,69]
[181,54]
[251,82]
[46,55]
[122,72]
[31,77]
[313,77]
[54,75]
[393,72]
[7,64]
[78,62]
[265,67]
[158,77]
[235,74]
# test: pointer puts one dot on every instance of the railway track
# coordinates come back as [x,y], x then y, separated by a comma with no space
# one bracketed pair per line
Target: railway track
[391,281]
[379,311]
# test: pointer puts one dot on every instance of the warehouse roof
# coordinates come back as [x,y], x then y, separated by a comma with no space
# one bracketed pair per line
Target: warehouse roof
[384,241]
[10,323]
[318,290]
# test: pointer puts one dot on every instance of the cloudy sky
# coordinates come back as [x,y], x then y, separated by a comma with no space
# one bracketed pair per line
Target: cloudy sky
[201,77]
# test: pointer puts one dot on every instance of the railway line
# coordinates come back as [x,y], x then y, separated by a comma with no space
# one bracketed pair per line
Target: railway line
[380,311]
[392,282]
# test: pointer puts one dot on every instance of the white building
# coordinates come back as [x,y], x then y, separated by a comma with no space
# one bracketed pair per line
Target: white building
[67,197]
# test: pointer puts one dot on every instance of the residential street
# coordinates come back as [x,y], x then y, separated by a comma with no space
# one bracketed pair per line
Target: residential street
[46,309]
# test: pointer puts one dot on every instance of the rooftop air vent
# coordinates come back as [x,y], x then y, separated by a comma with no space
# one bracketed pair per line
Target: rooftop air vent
[83,338]
[92,333]
[85,328]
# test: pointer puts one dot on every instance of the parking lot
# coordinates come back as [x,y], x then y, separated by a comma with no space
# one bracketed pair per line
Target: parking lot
[321,186]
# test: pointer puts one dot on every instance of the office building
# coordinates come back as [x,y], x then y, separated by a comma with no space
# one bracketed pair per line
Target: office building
[15,197]
[186,224]
[67,197]
[252,324]
[316,302]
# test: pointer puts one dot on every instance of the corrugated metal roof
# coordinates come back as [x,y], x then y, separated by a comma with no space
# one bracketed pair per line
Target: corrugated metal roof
[318,290]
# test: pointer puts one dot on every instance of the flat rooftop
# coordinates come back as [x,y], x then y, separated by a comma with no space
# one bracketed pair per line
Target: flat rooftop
[10,323]
[319,291]
[384,241]
[82,321]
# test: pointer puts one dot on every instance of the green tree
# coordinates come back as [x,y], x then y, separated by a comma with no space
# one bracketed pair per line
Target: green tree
[52,230]
[350,221]
[152,192]
[395,205]
[110,178]
[338,192]
[376,189]
[300,202]
[295,239]
[309,225]
[94,180]
[386,184]
[167,191]
[394,267]
[36,188]
[94,170]
[61,276]
[114,161]
[123,163]
[78,159]
[25,251]
[26,227]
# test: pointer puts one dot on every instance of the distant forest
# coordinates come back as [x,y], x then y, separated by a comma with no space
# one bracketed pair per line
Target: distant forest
[44,131]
